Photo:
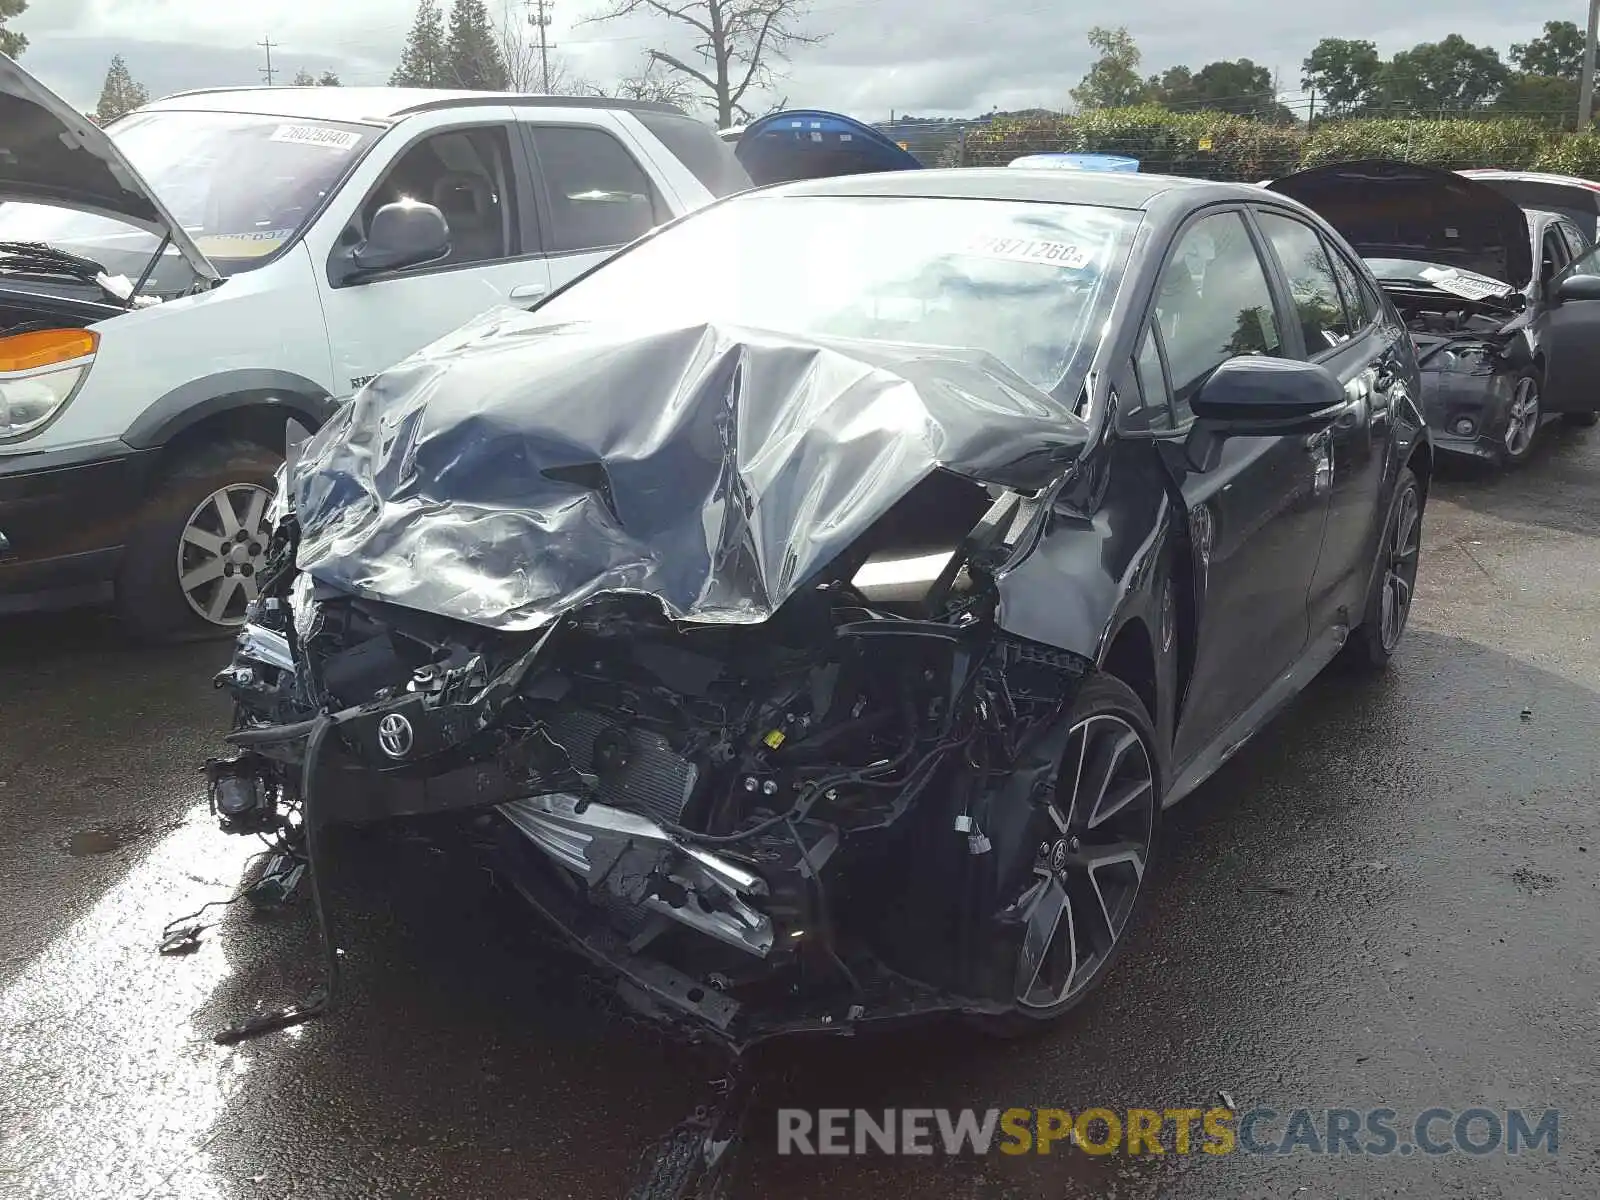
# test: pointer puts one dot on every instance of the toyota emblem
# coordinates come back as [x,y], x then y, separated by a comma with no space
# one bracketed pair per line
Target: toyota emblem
[394,736]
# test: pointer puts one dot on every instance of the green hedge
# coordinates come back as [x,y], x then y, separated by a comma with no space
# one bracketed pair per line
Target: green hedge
[1215,145]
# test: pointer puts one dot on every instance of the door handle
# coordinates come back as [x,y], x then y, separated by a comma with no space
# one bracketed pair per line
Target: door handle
[529,291]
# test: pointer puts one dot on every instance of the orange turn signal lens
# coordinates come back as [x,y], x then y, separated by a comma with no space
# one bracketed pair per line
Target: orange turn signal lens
[44,348]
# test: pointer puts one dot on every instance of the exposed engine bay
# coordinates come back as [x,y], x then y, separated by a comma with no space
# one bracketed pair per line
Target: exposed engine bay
[1481,334]
[758,823]
[1449,317]
[784,808]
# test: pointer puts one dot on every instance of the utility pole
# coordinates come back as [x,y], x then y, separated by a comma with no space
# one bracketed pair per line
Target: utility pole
[267,72]
[540,16]
[1586,99]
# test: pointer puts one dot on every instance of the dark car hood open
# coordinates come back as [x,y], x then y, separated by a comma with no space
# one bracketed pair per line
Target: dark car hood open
[806,143]
[1399,210]
[514,470]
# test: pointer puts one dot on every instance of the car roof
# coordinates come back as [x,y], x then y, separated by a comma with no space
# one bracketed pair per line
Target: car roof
[1534,176]
[372,105]
[1105,189]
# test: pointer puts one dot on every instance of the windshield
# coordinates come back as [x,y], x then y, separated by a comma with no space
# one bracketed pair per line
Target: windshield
[1031,284]
[241,184]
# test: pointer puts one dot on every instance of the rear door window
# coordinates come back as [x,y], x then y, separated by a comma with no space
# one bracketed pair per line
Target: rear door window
[600,197]
[1360,302]
[1312,284]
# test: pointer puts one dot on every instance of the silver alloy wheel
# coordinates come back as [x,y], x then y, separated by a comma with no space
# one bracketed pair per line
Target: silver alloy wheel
[1403,549]
[1522,422]
[222,550]
[1090,863]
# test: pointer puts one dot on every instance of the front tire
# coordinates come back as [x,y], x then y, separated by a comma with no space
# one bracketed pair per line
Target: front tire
[1374,642]
[1522,420]
[1090,848]
[189,568]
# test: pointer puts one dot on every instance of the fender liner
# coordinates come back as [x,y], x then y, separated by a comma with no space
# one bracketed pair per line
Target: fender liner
[192,402]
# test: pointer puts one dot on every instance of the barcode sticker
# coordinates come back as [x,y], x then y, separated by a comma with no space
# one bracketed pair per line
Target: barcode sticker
[317,135]
[1067,255]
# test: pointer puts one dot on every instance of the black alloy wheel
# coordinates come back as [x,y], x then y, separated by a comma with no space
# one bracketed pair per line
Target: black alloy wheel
[1374,642]
[1091,844]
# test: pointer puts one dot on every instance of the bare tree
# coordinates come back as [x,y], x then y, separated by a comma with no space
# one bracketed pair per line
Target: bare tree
[655,83]
[739,44]
[519,49]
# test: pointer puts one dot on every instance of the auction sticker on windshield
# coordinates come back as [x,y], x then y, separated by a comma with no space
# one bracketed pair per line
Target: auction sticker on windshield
[317,135]
[255,244]
[1460,283]
[1068,255]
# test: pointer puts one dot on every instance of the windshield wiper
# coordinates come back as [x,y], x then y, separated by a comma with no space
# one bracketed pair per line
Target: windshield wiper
[37,256]
[41,259]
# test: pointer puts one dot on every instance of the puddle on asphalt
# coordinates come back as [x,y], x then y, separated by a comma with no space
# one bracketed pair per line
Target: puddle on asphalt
[87,843]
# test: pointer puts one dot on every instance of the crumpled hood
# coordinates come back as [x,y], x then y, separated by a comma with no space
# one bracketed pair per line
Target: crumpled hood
[514,470]
[1400,210]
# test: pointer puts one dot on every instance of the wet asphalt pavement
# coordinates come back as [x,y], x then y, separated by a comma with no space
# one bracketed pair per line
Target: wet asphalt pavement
[1390,899]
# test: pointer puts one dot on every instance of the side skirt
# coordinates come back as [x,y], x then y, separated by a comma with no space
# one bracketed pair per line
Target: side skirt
[1285,688]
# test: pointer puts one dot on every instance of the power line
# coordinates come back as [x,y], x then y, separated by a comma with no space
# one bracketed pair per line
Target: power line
[267,72]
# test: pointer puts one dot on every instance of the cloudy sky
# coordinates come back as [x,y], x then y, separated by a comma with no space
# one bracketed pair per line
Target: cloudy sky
[928,57]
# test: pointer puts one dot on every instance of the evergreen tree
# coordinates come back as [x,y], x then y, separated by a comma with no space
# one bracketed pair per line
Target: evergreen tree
[304,78]
[329,79]
[473,51]
[423,62]
[120,94]
[11,42]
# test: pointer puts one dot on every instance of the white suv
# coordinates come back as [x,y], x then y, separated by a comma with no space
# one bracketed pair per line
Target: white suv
[170,293]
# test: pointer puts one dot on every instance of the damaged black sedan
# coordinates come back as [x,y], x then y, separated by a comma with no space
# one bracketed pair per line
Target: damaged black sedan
[1503,347]
[812,609]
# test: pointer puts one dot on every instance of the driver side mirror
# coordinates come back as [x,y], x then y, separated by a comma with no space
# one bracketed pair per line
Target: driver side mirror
[1257,396]
[406,233]
[1577,287]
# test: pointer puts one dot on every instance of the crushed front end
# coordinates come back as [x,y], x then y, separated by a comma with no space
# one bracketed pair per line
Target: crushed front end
[757,829]
[767,799]
[1471,351]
